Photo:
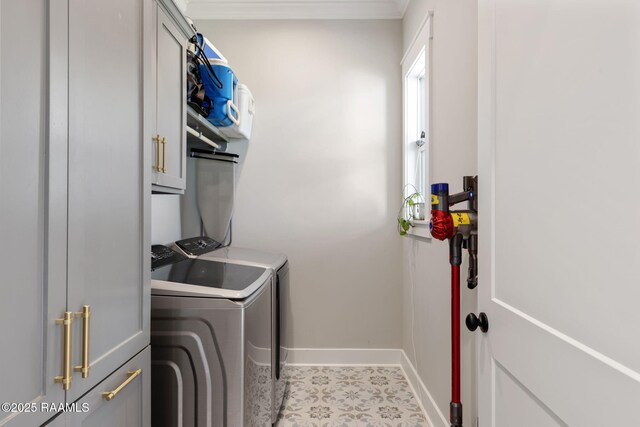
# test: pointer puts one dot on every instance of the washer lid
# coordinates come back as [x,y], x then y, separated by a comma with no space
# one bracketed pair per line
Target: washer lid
[247,257]
[196,277]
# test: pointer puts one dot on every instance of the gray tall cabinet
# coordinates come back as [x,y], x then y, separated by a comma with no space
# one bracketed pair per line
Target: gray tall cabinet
[76,125]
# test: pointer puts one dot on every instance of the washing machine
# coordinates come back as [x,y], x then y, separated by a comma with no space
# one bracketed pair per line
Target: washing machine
[206,209]
[211,342]
[205,248]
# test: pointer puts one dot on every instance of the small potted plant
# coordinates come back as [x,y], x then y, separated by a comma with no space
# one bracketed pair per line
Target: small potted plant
[412,208]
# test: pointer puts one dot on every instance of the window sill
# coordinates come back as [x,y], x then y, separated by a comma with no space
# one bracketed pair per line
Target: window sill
[420,229]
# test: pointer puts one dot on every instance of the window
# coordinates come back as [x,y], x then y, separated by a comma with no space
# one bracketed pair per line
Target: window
[421,136]
[416,137]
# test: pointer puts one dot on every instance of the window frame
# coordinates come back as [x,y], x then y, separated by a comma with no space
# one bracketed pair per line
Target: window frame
[416,78]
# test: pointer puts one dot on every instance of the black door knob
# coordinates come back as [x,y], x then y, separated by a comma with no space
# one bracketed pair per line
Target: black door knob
[473,322]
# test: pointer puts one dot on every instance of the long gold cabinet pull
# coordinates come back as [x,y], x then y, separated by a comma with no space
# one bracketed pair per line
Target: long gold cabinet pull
[164,155]
[131,375]
[67,323]
[158,139]
[86,319]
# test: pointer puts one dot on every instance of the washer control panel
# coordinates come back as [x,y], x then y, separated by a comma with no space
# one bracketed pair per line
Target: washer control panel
[162,255]
[198,245]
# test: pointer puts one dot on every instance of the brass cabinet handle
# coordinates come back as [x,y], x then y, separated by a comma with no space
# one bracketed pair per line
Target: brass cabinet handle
[86,315]
[164,155]
[65,378]
[158,141]
[131,375]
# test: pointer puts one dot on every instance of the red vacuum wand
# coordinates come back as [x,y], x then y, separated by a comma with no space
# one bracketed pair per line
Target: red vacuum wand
[455,339]
[460,228]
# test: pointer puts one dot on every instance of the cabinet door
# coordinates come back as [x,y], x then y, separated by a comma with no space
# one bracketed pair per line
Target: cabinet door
[130,407]
[109,187]
[170,103]
[32,208]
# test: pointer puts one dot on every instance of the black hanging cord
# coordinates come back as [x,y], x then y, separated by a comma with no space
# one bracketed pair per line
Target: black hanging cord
[204,60]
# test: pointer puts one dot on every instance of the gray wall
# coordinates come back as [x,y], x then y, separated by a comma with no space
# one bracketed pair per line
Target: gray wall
[323,173]
[453,154]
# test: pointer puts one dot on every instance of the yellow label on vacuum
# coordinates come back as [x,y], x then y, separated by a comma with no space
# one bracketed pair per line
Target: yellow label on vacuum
[460,218]
[434,199]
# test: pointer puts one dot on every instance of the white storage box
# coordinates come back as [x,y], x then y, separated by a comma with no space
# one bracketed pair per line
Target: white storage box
[246,111]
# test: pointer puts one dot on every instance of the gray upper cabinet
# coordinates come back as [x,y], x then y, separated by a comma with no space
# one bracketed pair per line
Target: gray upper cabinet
[169,139]
[75,159]
[32,215]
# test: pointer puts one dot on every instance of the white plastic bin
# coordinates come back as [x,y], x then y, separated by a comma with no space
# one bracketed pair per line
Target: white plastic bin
[246,108]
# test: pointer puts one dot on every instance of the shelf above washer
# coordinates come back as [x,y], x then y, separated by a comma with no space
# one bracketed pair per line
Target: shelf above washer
[202,126]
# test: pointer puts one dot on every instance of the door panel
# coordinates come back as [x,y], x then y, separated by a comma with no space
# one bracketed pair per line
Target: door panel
[108,190]
[513,400]
[557,371]
[32,212]
[559,124]
[170,93]
[568,97]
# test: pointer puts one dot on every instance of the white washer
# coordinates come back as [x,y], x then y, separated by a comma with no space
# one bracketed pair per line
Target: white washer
[211,342]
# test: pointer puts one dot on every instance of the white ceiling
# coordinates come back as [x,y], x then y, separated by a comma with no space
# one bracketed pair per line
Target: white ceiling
[294,9]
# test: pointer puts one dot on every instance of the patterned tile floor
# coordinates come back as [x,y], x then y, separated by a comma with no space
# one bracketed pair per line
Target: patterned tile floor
[349,397]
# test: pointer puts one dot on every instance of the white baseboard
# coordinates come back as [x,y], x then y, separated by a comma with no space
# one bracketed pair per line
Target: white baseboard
[435,417]
[373,357]
[344,356]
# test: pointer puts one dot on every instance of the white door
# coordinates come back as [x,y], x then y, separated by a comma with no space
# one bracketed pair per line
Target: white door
[559,165]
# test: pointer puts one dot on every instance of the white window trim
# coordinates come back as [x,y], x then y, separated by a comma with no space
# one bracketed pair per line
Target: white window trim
[415,63]
[415,121]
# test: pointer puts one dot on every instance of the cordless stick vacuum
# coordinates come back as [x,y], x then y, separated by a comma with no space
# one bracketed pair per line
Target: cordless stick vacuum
[461,228]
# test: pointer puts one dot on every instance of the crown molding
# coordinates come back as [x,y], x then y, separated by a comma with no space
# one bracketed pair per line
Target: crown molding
[301,9]
[402,6]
